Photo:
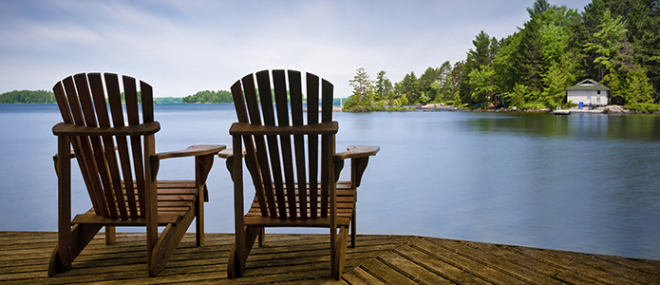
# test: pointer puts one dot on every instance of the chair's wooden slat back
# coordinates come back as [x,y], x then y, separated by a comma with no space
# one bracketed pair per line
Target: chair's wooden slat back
[327,146]
[313,119]
[82,101]
[279,161]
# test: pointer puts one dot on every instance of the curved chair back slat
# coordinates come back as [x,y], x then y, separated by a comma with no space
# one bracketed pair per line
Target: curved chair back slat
[285,168]
[82,101]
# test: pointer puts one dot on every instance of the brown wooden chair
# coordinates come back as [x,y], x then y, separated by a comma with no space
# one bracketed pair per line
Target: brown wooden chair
[295,179]
[119,167]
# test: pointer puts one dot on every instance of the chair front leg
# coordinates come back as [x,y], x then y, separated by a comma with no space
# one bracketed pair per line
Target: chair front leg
[199,218]
[203,166]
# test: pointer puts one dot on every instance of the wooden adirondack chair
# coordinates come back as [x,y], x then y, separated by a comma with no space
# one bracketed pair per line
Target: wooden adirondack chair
[295,180]
[119,167]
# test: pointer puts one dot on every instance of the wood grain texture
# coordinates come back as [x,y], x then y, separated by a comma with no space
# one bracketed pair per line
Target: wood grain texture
[303,259]
[138,200]
[282,156]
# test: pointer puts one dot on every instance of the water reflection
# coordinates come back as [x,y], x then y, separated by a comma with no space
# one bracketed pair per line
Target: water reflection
[580,182]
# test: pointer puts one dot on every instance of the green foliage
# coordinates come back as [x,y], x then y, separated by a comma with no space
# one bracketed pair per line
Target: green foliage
[384,88]
[220,96]
[613,42]
[639,88]
[362,99]
[402,101]
[27,96]
[168,100]
[617,87]
[483,82]
[643,107]
[555,85]
[409,86]
[457,101]
[424,99]
[516,98]
[607,42]
[533,106]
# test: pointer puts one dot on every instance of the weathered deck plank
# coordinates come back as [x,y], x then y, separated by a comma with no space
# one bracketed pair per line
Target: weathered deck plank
[305,259]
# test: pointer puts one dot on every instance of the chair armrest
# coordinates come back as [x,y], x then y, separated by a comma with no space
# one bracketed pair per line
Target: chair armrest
[203,154]
[359,156]
[357,151]
[195,150]
[73,130]
[229,153]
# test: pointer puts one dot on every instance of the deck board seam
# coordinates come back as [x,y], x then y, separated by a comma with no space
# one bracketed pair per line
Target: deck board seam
[434,271]
[395,268]
[492,266]
[403,272]
[278,263]
[525,265]
[379,259]
[374,274]
[563,267]
[488,279]
[486,264]
[655,274]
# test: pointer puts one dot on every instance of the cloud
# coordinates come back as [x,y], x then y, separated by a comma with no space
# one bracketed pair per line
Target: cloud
[182,47]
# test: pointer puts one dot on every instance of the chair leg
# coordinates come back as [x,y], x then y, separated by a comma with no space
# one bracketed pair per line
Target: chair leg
[353,228]
[236,265]
[233,265]
[340,253]
[110,235]
[81,235]
[262,237]
[167,242]
[199,219]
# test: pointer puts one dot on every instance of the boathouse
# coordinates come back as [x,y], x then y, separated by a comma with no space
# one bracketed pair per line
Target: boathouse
[589,93]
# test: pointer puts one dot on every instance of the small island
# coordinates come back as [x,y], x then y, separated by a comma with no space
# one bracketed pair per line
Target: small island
[27,97]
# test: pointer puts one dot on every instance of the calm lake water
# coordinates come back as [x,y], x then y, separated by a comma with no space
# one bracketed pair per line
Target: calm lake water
[586,183]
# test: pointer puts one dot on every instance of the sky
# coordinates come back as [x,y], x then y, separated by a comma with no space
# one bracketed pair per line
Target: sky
[182,47]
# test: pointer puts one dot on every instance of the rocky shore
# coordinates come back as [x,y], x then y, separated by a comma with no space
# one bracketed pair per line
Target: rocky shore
[610,109]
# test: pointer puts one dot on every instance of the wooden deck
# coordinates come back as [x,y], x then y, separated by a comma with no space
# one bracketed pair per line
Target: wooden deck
[305,259]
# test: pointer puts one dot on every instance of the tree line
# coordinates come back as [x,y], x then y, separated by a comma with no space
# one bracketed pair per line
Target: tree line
[44,96]
[207,96]
[27,96]
[614,42]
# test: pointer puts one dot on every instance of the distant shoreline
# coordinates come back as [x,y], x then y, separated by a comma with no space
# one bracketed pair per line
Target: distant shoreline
[610,109]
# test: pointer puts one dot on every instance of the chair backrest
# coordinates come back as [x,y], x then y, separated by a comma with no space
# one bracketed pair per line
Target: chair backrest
[82,101]
[277,162]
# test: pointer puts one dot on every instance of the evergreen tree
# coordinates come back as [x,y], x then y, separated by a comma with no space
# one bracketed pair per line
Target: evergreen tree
[617,87]
[527,59]
[639,88]
[410,87]
[584,31]
[642,18]
[555,84]
[456,77]
[607,42]
[383,86]
[363,90]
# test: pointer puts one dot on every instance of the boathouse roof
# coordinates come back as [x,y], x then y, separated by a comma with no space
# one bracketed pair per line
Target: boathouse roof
[588,84]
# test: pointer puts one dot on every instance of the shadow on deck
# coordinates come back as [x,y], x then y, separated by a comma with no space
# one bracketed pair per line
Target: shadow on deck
[305,259]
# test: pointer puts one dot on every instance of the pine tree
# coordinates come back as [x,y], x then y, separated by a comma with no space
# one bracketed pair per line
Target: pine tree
[639,88]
